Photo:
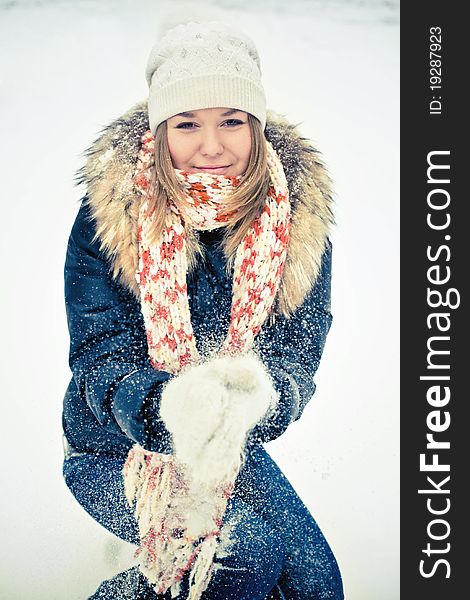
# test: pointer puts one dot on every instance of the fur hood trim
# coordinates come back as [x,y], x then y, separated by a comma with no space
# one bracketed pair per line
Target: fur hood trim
[114,202]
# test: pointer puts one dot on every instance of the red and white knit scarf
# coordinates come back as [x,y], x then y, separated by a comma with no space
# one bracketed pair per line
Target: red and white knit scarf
[157,485]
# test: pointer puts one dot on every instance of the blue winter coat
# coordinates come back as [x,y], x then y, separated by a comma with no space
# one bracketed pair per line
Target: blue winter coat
[113,398]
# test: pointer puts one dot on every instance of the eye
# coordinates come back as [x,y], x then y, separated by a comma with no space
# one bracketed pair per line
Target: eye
[233,122]
[186,125]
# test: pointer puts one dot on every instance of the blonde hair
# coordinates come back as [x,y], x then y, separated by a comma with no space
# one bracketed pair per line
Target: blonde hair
[247,199]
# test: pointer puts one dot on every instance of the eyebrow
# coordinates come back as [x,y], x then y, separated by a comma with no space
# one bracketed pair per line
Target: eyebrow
[190,115]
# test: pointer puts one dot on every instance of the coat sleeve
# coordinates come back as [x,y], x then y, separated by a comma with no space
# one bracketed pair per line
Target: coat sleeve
[108,350]
[291,350]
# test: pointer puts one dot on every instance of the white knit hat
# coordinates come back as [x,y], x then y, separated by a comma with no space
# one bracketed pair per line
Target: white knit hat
[204,65]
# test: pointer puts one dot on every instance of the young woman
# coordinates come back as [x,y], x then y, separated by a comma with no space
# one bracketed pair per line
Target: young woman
[197,285]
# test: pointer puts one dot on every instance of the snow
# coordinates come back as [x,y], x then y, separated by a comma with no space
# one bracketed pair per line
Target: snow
[68,68]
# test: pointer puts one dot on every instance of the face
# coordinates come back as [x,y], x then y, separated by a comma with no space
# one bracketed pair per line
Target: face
[210,140]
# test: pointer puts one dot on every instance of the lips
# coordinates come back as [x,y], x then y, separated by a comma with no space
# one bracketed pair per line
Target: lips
[212,169]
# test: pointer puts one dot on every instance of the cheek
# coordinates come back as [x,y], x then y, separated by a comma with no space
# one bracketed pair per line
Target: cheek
[180,149]
[244,147]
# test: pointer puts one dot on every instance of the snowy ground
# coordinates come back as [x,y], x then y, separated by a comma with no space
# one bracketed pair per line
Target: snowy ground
[66,69]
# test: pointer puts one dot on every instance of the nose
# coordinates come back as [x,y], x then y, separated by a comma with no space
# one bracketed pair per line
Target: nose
[211,143]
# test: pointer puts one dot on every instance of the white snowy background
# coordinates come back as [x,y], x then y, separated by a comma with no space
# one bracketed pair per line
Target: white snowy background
[66,69]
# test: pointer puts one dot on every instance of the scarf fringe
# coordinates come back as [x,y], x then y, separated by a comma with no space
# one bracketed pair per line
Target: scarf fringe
[156,486]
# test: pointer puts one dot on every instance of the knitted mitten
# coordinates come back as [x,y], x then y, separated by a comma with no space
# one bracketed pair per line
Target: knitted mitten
[209,409]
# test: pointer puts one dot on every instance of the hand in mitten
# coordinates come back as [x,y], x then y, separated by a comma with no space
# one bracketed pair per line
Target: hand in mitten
[209,410]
